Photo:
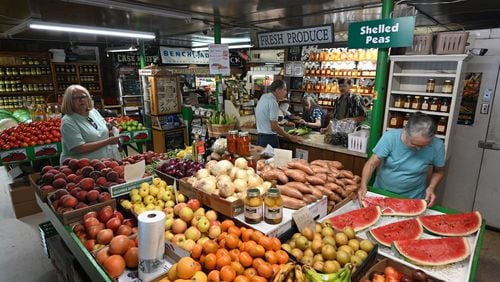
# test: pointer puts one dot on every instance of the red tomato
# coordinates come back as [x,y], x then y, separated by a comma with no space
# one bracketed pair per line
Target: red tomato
[32,143]
[6,147]
[24,144]
[48,141]
[40,142]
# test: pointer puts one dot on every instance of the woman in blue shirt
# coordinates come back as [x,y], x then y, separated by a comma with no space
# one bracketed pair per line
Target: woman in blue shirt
[83,130]
[403,158]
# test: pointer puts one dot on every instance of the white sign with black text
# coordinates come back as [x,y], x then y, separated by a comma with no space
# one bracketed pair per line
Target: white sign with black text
[218,59]
[293,37]
[170,55]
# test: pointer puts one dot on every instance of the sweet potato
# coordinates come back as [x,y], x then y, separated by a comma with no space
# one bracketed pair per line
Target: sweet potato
[296,174]
[275,174]
[334,188]
[334,197]
[339,182]
[323,176]
[336,164]
[321,163]
[348,181]
[346,174]
[314,180]
[309,198]
[302,187]
[319,169]
[352,188]
[302,166]
[291,192]
[324,190]
[331,179]
[292,203]
[316,192]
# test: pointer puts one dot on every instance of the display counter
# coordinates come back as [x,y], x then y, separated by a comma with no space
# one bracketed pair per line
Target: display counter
[317,149]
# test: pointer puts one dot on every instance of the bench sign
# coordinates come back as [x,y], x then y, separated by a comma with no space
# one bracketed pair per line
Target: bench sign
[382,33]
[293,37]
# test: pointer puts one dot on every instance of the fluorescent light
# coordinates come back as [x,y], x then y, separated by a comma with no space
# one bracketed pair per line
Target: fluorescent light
[204,40]
[156,10]
[91,30]
[121,49]
[229,47]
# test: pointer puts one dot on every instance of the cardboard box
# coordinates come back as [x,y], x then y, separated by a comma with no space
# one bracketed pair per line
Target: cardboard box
[318,210]
[26,208]
[384,262]
[77,215]
[21,192]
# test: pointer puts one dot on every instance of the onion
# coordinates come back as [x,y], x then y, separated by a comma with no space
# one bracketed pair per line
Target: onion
[202,173]
[241,185]
[233,172]
[222,167]
[266,184]
[207,184]
[250,171]
[225,186]
[241,163]
[209,165]
[254,180]
[241,174]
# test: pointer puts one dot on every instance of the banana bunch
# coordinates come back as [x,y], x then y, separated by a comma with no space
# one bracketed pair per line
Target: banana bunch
[290,272]
[344,275]
[300,131]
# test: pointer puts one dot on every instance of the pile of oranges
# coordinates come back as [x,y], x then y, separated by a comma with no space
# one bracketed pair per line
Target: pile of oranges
[239,254]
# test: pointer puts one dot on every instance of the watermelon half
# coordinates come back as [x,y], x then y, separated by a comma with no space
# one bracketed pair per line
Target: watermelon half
[395,206]
[462,224]
[357,219]
[409,229]
[440,251]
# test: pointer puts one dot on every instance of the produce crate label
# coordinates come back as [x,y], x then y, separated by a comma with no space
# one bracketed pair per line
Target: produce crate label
[125,137]
[140,135]
[45,150]
[16,155]
[304,218]
[125,188]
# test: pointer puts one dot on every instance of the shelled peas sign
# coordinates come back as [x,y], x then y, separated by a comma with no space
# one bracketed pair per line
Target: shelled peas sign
[382,33]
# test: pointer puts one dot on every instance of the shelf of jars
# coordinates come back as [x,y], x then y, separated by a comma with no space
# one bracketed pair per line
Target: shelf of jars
[88,75]
[313,53]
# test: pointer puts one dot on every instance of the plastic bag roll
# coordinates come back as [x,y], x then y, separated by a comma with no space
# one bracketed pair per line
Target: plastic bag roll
[151,235]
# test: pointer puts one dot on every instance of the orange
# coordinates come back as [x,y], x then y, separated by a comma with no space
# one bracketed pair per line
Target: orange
[223,260]
[186,268]
[245,259]
[266,242]
[250,272]
[214,276]
[276,244]
[265,270]
[234,230]
[257,251]
[237,267]
[196,251]
[210,261]
[210,247]
[242,229]
[226,224]
[248,246]
[227,273]
[222,252]
[245,235]
[241,278]
[222,236]
[256,235]
[222,243]
[257,262]
[197,265]
[257,278]
[234,255]
[282,256]
[271,257]
[276,268]
[232,241]
[202,259]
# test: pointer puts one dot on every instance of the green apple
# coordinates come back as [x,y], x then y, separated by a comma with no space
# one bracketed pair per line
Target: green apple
[203,224]
[181,198]
[168,196]
[202,240]
[150,207]
[170,204]
[192,233]
[156,181]
[153,190]
[126,204]
[148,199]
[169,235]
[160,204]
[140,209]
[168,223]
[136,199]
[134,192]
[144,191]
[199,211]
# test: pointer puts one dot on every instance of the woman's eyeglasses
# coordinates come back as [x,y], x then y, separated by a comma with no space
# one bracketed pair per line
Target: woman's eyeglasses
[92,122]
[80,97]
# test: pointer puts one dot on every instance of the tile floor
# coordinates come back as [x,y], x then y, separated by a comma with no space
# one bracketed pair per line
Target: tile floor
[22,257]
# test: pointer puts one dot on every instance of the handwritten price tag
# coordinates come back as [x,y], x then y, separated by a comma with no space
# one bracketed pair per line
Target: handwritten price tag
[303,218]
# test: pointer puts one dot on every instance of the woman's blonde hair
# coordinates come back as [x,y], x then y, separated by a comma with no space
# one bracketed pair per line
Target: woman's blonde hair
[67,101]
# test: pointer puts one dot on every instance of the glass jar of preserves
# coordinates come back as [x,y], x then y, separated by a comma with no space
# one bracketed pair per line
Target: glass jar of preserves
[252,163]
[273,207]
[416,103]
[396,121]
[441,126]
[425,104]
[435,104]
[407,102]
[431,85]
[406,118]
[444,106]
[232,141]
[447,87]
[253,206]
[243,147]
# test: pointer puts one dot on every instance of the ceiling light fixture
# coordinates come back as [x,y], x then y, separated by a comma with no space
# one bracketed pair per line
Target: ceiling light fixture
[121,49]
[242,46]
[91,30]
[156,10]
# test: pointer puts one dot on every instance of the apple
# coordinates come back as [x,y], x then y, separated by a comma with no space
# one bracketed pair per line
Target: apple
[179,239]
[193,233]
[153,190]
[90,214]
[179,226]
[211,215]
[186,214]
[126,204]
[202,240]
[169,235]
[144,191]
[199,211]
[160,204]
[168,223]
[136,199]
[91,221]
[150,207]
[214,222]
[132,222]
[167,196]
[188,245]
[203,224]
[134,192]
[194,204]
[181,198]
[170,204]
[214,231]
[148,199]
[179,207]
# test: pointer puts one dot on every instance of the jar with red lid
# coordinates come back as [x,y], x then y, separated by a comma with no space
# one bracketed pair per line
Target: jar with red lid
[243,147]
[232,141]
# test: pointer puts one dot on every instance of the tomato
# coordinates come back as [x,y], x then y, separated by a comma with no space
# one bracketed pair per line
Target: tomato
[48,141]
[32,143]
[24,145]
[40,142]
[34,138]
[6,147]
[12,138]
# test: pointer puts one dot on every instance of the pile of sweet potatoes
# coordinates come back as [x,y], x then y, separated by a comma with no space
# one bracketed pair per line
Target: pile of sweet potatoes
[302,183]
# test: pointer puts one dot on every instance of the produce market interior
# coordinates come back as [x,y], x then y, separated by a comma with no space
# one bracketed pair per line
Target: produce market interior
[346,140]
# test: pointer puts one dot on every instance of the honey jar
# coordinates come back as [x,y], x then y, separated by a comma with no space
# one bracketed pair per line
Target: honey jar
[253,206]
[273,207]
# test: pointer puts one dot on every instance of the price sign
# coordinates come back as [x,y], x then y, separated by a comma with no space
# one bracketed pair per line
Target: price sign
[303,218]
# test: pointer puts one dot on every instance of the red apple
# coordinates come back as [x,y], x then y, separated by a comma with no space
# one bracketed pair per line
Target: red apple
[104,236]
[91,221]
[104,196]
[113,224]
[90,214]
[194,204]
[105,214]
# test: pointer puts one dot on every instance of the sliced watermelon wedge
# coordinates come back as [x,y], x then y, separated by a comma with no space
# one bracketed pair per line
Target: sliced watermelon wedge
[440,251]
[395,206]
[357,219]
[409,229]
[462,224]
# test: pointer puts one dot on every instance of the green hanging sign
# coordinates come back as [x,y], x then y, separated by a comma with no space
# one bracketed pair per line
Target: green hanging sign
[383,33]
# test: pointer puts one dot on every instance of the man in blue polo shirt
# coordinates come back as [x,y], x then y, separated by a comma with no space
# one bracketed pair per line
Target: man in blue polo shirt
[403,157]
